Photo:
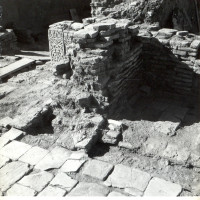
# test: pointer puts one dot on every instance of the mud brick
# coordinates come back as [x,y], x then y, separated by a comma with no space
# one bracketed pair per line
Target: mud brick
[123,23]
[110,38]
[167,33]
[107,33]
[181,53]
[103,44]
[134,30]
[77,26]
[81,34]
[92,33]
[195,44]
[176,42]
[100,26]
[182,33]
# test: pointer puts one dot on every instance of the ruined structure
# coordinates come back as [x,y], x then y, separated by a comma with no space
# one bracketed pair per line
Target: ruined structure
[114,113]
[115,58]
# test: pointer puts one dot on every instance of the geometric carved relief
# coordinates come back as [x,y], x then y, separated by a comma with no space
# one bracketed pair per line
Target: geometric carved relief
[56,44]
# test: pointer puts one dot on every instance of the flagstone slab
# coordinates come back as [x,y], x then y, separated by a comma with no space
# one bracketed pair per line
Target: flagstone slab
[98,169]
[37,181]
[3,160]
[127,177]
[20,190]
[11,173]
[161,187]
[54,159]
[34,155]
[89,189]
[14,150]
[64,181]
[52,191]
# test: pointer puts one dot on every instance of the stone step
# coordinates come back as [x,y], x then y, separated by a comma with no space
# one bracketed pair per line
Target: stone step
[15,67]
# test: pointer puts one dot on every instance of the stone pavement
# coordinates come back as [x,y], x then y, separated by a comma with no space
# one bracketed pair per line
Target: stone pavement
[33,171]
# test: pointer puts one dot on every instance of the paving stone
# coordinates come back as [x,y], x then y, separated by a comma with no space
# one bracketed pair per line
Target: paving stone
[54,159]
[126,177]
[52,191]
[14,149]
[78,155]
[64,181]
[3,142]
[37,181]
[98,169]
[20,190]
[6,121]
[195,44]
[3,160]
[34,155]
[11,173]
[13,134]
[72,165]
[114,194]
[10,135]
[89,189]
[160,187]
[133,192]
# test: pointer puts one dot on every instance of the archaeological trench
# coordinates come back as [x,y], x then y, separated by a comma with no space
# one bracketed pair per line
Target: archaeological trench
[100,98]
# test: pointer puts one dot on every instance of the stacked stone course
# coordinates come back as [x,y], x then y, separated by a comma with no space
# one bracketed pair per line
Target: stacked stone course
[170,60]
[104,55]
[114,57]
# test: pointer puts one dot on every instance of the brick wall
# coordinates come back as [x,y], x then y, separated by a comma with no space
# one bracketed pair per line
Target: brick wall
[113,57]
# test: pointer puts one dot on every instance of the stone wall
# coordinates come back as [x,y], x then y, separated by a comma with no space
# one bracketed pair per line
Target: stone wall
[171,60]
[178,14]
[8,41]
[104,56]
[114,58]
